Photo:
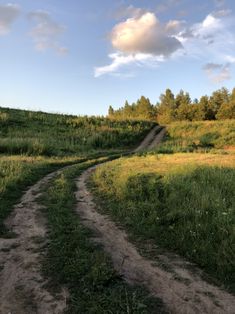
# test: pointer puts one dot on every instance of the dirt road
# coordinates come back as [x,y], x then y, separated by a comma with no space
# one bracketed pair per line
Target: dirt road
[152,139]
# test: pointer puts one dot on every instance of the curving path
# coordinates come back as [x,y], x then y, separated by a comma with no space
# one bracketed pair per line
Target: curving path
[179,284]
[22,288]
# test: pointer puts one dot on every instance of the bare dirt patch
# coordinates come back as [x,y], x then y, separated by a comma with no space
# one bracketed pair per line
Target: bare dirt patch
[22,289]
[154,137]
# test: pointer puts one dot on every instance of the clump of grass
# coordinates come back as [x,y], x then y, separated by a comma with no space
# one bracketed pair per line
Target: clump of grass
[183,202]
[199,136]
[73,260]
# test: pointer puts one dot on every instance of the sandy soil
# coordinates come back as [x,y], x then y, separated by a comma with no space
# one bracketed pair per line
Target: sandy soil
[157,139]
[22,289]
[151,139]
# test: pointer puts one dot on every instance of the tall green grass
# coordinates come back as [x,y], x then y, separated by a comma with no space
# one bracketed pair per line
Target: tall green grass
[186,207]
[198,136]
[37,133]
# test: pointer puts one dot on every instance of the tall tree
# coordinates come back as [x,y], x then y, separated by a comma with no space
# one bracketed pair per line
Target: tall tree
[217,99]
[111,111]
[227,109]
[183,106]
[166,111]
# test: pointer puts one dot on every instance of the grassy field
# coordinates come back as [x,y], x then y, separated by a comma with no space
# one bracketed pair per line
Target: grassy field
[73,260]
[199,136]
[35,143]
[38,133]
[183,202]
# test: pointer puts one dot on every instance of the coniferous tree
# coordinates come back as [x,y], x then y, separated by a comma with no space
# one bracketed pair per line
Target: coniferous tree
[166,111]
[111,111]
[183,109]
[227,109]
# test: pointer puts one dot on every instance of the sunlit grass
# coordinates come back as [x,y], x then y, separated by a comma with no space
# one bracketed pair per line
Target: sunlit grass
[185,202]
[199,136]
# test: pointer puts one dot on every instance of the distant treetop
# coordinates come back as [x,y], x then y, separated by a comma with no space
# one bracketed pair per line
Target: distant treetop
[220,105]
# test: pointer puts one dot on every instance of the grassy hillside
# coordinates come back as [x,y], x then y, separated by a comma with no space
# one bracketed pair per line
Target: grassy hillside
[183,202]
[35,143]
[38,133]
[199,136]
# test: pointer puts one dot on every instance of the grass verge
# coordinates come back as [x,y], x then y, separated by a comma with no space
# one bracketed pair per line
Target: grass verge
[200,136]
[182,202]
[74,261]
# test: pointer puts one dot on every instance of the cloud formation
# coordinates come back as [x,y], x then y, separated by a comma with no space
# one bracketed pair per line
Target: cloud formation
[141,39]
[8,15]
[217,73]
[120,59]
[144,34]
[46,32]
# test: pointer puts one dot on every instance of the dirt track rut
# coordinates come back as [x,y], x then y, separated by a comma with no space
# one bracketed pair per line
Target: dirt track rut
[22,289]
[152,139]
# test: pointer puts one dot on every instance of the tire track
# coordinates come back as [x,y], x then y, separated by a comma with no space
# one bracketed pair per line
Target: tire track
[23,288]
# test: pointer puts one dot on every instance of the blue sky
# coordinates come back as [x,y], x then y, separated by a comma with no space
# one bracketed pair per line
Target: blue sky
[80,57]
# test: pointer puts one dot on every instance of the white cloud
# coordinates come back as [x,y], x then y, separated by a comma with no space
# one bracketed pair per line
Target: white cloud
[173,27]
[120,59]
[141,40]
[230,59]
[209,27]
[46,32]
[8,15]
[143,34]
[217,73]
[221,13]
[206,40]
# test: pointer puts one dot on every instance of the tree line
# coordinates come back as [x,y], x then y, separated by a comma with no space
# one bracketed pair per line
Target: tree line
[220,105]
